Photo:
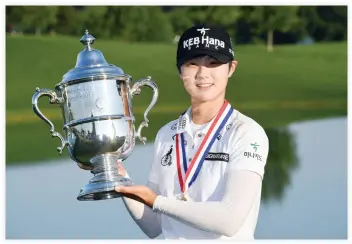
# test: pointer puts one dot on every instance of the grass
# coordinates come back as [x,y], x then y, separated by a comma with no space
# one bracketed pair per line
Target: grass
[293,83]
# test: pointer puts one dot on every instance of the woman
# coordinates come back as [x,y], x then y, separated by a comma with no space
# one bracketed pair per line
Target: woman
[206,178]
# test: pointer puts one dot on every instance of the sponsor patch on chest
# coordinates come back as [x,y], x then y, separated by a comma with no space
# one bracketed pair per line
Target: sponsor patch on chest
[218,157]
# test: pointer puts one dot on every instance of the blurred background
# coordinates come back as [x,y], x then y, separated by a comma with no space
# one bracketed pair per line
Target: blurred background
[291,78]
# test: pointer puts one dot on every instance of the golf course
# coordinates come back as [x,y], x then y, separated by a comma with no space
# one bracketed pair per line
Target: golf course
[292,83]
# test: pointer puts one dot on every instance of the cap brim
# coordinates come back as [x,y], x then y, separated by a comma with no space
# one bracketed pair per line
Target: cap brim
[222,58]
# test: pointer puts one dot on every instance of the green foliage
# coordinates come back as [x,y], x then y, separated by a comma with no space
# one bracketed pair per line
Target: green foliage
[225,16]
[94,20]
[277,18]
[67,20]
[269,19]
[36,17]
[145,24]
[247,24]
[75,21]
[325,23]
[179,24]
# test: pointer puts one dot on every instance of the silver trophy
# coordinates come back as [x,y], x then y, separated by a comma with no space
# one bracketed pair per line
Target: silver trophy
[96,103]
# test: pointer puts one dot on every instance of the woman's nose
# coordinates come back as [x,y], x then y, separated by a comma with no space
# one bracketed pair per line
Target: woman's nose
[202,72]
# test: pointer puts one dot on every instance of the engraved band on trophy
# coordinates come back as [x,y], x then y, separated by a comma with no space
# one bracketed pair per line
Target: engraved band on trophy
[96,103]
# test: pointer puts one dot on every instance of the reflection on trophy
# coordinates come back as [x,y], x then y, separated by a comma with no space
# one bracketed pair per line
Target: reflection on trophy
[96,102]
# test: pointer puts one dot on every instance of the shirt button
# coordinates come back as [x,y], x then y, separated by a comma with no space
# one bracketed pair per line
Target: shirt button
[200,135]
[189,160]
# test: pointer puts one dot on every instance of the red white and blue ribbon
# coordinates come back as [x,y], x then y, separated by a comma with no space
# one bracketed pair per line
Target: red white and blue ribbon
[196,164]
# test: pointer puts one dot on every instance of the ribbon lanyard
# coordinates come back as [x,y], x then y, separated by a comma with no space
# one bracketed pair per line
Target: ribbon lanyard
[196,164]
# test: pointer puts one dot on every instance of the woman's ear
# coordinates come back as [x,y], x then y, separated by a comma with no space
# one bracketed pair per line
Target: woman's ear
[232,67]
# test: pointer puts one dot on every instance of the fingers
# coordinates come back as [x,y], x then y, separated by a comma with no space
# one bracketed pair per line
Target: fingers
[138,192]
[130,192]
[126,189]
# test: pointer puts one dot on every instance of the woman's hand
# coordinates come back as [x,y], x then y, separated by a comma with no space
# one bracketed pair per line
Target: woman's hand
[138,192]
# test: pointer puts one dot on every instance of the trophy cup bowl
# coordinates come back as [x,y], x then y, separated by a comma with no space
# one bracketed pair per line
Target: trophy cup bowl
[96,103]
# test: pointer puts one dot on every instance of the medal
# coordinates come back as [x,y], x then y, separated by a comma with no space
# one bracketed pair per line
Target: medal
[196,164]
[181,197]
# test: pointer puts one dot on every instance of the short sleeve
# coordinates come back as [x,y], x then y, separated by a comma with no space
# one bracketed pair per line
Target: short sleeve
[250,149]
[154,169]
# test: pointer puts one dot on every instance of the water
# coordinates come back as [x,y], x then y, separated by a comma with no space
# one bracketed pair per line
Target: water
[304,197]
[314,205]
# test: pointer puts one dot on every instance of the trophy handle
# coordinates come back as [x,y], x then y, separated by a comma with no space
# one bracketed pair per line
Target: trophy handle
[53,99]
[136,90]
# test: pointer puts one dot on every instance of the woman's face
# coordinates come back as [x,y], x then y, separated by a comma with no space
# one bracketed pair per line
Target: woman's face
[205,78]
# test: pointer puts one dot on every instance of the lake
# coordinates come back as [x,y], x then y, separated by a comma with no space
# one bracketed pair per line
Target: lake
[304,194]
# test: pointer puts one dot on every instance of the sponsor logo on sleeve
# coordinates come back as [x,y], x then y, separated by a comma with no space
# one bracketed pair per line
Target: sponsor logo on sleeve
[254,154]
[255,146]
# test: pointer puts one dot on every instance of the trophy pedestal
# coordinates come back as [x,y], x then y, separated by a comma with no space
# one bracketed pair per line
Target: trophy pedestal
[102,190]
[106,178]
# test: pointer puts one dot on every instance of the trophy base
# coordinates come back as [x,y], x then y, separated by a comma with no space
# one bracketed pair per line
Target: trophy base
[102,190]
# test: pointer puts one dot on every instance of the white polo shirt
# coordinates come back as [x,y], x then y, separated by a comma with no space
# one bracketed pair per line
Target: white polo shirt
[242,144]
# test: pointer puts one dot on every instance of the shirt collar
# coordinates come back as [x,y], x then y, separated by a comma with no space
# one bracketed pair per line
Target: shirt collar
[184,122]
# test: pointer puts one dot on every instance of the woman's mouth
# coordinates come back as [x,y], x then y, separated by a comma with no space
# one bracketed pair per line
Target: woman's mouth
[204,85]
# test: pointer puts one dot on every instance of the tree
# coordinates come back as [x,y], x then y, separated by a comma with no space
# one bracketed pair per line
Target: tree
[184,17]
[67,18]
[94,19]
[179,19]
[281,161]
[37,17]
[273,18]
[325,23]
[145,24]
